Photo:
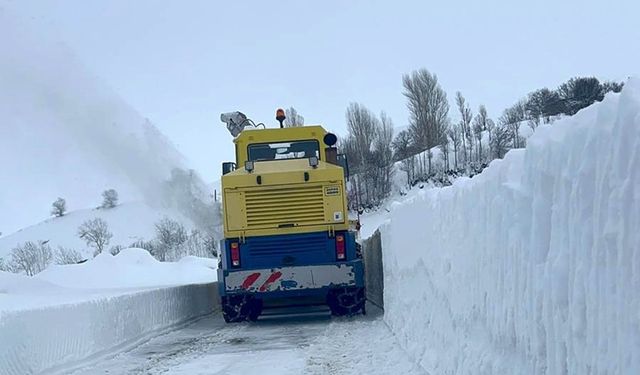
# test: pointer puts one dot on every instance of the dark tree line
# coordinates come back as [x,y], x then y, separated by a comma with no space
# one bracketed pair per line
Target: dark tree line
[463,147]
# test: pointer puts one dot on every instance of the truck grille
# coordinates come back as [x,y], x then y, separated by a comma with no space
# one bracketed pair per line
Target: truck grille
[278,245]
[284,207]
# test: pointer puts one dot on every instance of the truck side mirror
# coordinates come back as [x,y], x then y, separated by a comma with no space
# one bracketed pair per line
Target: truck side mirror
[344,163]
[227,167]
[331,155]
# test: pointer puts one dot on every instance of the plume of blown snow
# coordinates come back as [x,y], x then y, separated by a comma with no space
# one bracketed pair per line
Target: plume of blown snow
[65,133]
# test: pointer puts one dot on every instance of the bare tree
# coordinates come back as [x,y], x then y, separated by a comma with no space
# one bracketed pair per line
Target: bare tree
[170,236]
[444,147]
[109,198]
[512,118]
[383,156]
[542,104]
[481,123]
[31,258]
[465,125]
[210,244]
[500,139]
[368,148]
[362,125]
[428,108]
[612,86]
[59,207]
[4,266]
[150,246]
[455,135]
[115,250]
[68,256]
[404,152]
[293,118]
[580,92]
[95,233]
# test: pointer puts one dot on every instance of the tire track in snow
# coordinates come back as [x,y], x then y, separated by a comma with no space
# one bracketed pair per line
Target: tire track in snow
[299,345]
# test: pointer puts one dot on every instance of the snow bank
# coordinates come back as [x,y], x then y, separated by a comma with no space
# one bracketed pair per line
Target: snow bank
[104,276]
[68,314]
[131,268]
[43,340]
[533,266]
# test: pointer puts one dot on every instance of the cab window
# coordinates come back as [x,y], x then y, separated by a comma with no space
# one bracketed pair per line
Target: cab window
[283,150]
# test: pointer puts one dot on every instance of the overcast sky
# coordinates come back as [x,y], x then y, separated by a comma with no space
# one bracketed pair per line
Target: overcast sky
[182,63]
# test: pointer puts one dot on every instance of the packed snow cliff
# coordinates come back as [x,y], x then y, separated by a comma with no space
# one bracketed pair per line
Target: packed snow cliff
[531,267]
[66,315]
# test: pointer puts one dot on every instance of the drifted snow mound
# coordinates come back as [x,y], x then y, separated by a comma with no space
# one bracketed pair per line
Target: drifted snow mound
[70,314]
[130,268]
[533,266]
[104,276]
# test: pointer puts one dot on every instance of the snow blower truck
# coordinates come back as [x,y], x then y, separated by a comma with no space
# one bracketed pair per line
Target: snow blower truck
[288,240]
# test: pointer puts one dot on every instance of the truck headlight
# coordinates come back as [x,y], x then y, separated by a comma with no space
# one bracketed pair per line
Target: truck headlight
[248,166]
[313,161]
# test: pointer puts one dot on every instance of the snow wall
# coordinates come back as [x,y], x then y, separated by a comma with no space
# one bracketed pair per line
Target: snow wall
[373,271]
[533,266]
[66,336]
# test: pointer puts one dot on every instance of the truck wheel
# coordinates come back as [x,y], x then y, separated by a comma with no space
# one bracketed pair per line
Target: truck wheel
[236,308]
[347,301]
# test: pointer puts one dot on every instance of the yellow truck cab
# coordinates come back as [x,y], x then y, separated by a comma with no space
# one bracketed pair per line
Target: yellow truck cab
[287,238]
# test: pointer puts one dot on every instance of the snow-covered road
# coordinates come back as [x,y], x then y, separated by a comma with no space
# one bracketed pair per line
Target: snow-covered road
[315,344]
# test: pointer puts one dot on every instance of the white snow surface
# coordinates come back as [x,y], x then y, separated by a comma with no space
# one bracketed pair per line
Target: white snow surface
[68,314]
[283,345]
[128,222]
[64,133]
[531,267]
[104,276]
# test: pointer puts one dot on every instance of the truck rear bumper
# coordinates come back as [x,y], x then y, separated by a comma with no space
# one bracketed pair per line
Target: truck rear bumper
[297,280]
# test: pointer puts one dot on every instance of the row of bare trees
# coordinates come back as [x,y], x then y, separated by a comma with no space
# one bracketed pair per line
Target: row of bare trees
[465,146]
[172,242]
[368,147]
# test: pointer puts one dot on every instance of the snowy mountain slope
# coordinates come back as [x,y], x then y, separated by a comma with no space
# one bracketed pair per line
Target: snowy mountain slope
[128,222]
[63,133]
[531,266]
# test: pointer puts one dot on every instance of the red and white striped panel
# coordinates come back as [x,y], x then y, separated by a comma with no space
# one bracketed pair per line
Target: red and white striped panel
[289,278]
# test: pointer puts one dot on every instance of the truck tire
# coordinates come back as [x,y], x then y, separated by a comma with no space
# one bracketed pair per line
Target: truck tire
[237,308]
[346,301]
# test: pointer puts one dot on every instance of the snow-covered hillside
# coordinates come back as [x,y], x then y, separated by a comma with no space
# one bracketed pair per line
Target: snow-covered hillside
[530,267]
[128,222]
[63,133]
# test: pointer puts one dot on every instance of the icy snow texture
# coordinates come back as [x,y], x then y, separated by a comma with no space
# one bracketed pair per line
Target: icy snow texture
[43,339]
[533,266]
[68,314]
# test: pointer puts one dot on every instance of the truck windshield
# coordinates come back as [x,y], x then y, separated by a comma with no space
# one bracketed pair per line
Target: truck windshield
[284,150]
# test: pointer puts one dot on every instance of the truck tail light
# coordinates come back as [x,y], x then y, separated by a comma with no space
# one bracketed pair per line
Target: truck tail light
[340,253]
[235,254]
